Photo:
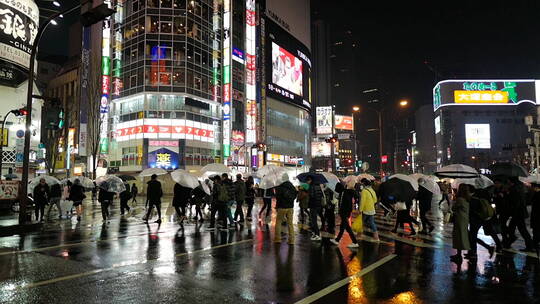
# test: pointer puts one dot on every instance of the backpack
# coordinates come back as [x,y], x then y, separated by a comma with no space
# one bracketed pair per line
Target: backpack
[223,194]
[290,193]
[485,211]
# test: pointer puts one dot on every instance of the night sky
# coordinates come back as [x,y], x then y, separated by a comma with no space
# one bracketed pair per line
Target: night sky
[404,47]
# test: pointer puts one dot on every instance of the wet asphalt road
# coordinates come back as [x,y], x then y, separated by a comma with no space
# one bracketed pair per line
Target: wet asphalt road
[127,261]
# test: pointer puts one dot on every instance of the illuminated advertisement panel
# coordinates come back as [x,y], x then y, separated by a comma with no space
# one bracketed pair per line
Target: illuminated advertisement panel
[320,149]
[227,48]
[344,122]
[251,71]
[477,136]
[105,83]
[163,158]
[288,65]
[324,120]
[484,92]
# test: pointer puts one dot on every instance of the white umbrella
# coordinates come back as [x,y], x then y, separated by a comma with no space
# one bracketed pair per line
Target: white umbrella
[49,180]
[366,176]
[205,188]
[427,182]
[457,171]
[111,183]
[531,179]
[214,169]
[332,179]
[406,178]
[152,171]
[350,181]
[267,169]
[480,182]
[185,178]
[274,179]
[85,181]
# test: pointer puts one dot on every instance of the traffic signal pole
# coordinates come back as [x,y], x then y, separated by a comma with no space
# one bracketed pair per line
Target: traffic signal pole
[29,97]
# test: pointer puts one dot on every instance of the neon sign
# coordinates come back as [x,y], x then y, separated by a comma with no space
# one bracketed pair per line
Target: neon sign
[251,79]
[227,45]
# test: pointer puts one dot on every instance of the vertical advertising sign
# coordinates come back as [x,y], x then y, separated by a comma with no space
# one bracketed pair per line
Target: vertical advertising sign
[85,73]
[251,70]
[324,120]
[227,47]
[105,83]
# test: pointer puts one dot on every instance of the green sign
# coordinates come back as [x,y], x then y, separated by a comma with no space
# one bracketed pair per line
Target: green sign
[226,150]
[104,146]
[117,68]
[106,65]
[227,75]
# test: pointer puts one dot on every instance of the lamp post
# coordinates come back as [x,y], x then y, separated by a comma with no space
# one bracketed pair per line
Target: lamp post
[402,104]
[94,15]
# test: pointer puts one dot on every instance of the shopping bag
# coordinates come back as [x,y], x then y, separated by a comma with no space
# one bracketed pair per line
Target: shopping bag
[358,225]
[66,206]
[400,206]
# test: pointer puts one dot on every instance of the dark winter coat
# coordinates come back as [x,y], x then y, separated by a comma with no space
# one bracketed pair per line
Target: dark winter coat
[535,212]
[76,193]
[181,195]
[240,190]
[284,193]
[56,191]
[154,191]
[315,196]
[516,199]
[347,201]
[41,194]
[424,198]
[104,195]
[231,189]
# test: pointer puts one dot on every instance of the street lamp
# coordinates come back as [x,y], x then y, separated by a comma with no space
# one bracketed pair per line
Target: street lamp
[402,104]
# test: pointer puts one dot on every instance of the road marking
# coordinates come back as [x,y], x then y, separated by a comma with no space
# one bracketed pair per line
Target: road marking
[82,243]
[92,272]
[407,241]
[323,292]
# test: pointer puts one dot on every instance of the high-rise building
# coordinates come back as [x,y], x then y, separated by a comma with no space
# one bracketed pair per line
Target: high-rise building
[187,83]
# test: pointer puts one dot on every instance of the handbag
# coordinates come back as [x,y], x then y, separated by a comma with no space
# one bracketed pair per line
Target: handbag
[400,206]
[358,225]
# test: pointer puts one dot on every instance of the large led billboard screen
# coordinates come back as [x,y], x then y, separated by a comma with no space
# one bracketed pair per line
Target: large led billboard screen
[477,136]
[320,149]
[288,67]
[485,92]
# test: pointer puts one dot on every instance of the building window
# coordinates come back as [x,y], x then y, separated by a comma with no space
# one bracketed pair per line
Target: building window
[166,3]
[152,3]
[180,25]
[132,81]
[180,4]
[179,77]
[152,24]
[165,26]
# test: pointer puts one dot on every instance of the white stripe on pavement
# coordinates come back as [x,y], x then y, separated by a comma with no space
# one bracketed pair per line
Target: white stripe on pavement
[321,293]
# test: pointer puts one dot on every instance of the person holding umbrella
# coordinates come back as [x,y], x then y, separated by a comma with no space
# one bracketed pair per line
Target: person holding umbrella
[76,194]
[424,197]
[250,197]
[105,198]
[346,201]
[460,233]
[181,200]
[134,192]
[535,217]
[124,199]
[519,213]
[41,198]
[153,195]
[315,205]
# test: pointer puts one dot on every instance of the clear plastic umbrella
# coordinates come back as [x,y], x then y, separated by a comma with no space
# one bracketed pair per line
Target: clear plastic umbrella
[480,182]
[267,169]
[406,178]
[366,176]
[457,171]
[531,179]
[85,181]
[332,179]
[111,183]
[49,180]
[215,168]
[205,188]
[427,182]
[274,179]
[185,178]
[152,171]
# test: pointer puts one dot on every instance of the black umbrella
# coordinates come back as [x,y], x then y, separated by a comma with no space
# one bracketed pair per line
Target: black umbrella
[508,169]
[395,189]
[316,177]
[127,177]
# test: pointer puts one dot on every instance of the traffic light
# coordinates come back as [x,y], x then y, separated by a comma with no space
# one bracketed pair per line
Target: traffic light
[54,118]
[331,140]
[95,14]
[20,112]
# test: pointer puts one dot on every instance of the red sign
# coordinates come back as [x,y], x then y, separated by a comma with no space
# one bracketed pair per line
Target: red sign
[343,122]
[150,129]
[106,84]
[226,92]
[384,159]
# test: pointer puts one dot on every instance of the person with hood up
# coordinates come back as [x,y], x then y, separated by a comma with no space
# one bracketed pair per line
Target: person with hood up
[285,196]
